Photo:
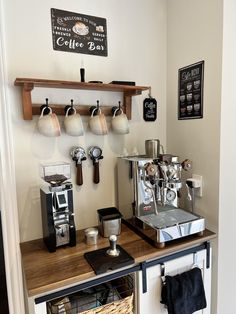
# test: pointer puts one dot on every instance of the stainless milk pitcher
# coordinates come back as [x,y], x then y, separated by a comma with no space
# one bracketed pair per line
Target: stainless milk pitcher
[152,148]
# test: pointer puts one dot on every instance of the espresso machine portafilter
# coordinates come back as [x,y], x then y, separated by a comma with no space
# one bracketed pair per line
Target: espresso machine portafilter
[57,206]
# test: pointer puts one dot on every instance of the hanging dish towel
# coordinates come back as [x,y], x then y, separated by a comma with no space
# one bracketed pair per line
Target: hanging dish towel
[184,293]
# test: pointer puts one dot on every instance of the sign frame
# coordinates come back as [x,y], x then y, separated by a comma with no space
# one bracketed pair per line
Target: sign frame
[190,91]
[79,33]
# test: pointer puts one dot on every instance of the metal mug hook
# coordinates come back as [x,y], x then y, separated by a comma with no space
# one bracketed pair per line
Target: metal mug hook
[95,109]
[45,108]
[116,109]
[70,109]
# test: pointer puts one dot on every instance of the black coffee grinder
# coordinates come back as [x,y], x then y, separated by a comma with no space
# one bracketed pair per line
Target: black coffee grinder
[57,206]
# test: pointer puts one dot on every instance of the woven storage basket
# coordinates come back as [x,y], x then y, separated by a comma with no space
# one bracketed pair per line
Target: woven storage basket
[123,306]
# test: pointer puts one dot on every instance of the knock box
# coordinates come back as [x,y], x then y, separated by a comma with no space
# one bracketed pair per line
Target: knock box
[109,221]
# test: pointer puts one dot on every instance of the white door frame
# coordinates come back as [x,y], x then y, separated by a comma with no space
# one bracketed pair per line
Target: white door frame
[8,200]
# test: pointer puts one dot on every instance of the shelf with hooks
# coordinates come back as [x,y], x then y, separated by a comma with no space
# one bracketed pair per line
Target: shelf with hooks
[29,109]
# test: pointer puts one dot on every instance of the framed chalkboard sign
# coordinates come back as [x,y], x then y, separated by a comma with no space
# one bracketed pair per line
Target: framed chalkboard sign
[74,32]
[190,91]
[150,109]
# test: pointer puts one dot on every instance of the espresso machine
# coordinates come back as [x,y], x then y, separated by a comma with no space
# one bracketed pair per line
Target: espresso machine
[148,198]
[57,206]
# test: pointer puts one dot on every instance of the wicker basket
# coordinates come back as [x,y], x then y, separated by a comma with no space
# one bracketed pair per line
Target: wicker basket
[121,306]
[114,297]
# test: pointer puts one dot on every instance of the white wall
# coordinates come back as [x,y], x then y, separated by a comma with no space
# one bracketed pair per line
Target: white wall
[136,51]
[195,34]
[227,216]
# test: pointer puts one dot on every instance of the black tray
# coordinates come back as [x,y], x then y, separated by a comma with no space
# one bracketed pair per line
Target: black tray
[101,262]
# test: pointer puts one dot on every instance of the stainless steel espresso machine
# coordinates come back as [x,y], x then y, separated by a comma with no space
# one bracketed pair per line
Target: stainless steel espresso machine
[57,206]
[148,195]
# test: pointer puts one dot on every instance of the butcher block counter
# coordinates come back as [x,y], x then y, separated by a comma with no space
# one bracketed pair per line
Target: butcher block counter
[45,272]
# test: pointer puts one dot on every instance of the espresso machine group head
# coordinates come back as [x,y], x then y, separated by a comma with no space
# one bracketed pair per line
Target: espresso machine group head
[57,206]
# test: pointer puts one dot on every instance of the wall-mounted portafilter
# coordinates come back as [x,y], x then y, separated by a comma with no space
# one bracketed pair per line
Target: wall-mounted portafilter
[95,153]
[78,155]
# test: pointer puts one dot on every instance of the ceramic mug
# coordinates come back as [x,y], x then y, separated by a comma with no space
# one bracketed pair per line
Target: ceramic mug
[119,123]
[48,124]
[97,123]
[73,123]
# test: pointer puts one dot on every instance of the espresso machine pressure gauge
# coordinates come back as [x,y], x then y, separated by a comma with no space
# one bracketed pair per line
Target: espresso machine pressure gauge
[170,196]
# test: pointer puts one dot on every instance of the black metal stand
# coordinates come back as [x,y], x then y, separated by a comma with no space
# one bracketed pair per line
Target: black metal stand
[141,266]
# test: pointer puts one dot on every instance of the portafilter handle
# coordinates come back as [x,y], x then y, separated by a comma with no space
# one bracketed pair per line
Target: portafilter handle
[95,153]
[78,155]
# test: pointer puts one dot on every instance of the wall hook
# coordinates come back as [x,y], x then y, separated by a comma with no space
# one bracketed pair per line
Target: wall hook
[195,257]
[47,110]
[150,92]
[162,265]
[97,107]
[113,109]
[70,107]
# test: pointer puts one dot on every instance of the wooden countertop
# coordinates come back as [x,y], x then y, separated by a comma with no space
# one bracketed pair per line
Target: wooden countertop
[46,271]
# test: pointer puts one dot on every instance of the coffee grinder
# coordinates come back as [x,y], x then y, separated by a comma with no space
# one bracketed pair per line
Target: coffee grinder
[57,206]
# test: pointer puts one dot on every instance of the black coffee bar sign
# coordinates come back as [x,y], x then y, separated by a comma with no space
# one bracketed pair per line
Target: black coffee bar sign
[79,33]
[190,95]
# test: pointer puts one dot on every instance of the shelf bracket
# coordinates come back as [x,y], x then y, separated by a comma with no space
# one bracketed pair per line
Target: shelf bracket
[127,102]
[26,100]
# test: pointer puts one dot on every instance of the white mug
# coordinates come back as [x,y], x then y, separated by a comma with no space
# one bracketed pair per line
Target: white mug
[98,124]
[48,125]
[73,123]
[119,123]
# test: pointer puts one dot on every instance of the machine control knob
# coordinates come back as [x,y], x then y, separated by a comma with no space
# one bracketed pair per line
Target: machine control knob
[151,169]
[187,164]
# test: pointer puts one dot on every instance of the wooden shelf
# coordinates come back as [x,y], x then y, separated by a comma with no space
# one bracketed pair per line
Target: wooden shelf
[71,267]
[28,84]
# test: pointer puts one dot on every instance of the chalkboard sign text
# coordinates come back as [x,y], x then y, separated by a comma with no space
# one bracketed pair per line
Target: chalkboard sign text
[79,33]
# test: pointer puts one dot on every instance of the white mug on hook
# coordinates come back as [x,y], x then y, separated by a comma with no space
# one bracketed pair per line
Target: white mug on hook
[73,123]
[97,123]
[48,124]
[119,122]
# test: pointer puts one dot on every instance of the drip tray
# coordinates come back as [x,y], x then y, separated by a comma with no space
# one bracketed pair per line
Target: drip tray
[173,223]
[102,263]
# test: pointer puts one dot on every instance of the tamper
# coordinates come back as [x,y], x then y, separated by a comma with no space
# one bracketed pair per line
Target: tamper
[113,251]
